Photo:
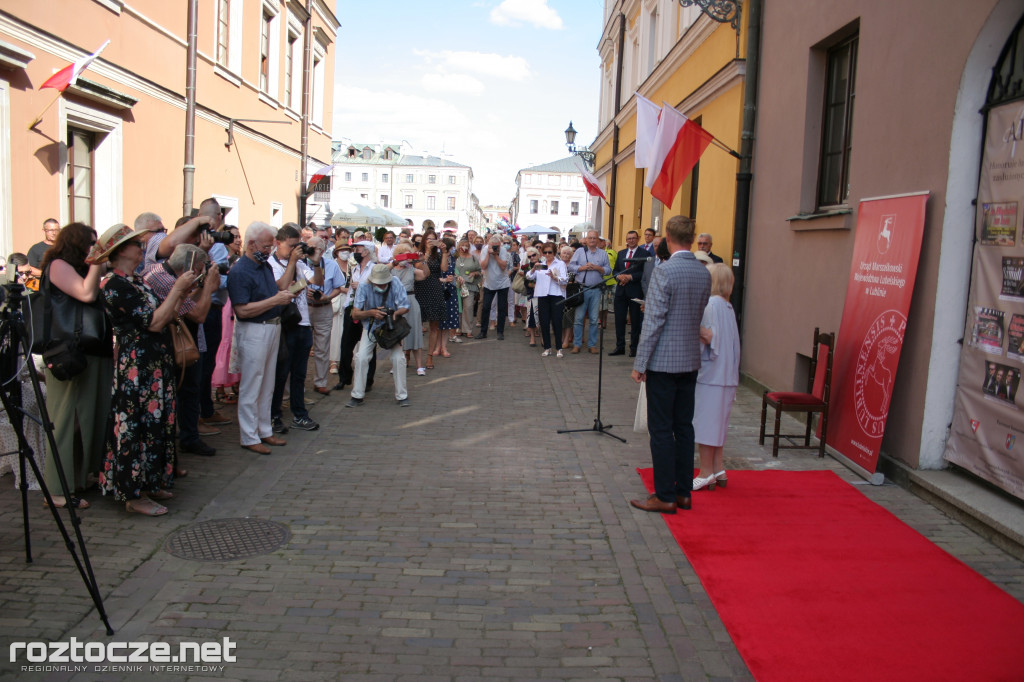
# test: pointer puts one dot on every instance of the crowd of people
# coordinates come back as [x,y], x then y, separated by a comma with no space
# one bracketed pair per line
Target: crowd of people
[286,302]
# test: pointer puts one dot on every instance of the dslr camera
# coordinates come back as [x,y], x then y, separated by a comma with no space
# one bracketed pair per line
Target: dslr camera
[222,237]
[305,249]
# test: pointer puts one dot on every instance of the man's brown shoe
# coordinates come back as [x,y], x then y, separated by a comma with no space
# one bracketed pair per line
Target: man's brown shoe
[683,501]
[594,351]
[575,349]
[215,419]
[258,448]
[323,390]
[205,430]
[274,440]
[653,504]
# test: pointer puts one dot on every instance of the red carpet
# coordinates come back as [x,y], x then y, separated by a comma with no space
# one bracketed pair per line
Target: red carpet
[814,581]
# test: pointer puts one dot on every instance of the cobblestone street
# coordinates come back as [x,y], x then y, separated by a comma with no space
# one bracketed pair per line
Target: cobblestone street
[461,538]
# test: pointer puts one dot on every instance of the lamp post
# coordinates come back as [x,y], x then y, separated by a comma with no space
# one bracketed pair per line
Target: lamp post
[722,11]
[584,153]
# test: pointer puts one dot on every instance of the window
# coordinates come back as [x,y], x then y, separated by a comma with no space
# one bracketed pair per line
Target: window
[408,201]
[363,196]
[409,177]
[80,175]
[430,203]
[383,177]
[451,203]
[384,200]
[432,179]
[554,208]
[367,153]
[451,179]
[223,31]
[265,51]
[834,168]
[348,177]
[317,86]
[574,208]
[366,177]
[533,205]
[290,58]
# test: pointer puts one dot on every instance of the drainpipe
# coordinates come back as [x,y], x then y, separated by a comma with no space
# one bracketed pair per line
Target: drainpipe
[615,131]
[189,170]
[745,176]
[307,60]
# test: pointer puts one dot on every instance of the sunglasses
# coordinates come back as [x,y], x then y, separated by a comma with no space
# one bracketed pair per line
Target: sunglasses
[549,253]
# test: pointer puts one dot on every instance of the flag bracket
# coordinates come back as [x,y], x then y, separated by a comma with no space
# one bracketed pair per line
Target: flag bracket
[231,127]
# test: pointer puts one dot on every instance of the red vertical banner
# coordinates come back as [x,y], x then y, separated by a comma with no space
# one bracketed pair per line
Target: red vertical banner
[882,274]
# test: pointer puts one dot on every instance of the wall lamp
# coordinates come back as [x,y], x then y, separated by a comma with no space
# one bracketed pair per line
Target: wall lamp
[584,153]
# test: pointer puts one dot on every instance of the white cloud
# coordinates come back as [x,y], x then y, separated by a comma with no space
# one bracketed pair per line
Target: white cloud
[452,82]
[516,12]
[488,64]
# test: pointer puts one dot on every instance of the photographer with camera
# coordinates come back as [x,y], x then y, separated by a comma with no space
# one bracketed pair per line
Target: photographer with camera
[404,266]
[494,262]
[381,297]
[320,299]
[551,276]
[295,266]
[202,230]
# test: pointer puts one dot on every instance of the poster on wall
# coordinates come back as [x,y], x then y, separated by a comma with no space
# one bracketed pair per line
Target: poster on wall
[885,254]
[987,414]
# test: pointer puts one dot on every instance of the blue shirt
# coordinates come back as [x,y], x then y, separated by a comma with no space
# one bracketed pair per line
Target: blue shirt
[219,256]
[333,278]
[251,282]
[367,298]
[596,257]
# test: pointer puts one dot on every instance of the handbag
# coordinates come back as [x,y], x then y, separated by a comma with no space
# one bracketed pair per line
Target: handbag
[389,337]
[186,353]
[64,360]
[519,283]
[290,316]
[573,293]
[59,317]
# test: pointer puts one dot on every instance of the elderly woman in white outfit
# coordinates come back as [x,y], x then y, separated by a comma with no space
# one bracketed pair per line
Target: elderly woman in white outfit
[717,379]
[551,276]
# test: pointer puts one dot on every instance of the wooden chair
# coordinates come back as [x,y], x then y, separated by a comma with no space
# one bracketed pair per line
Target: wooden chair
[815,400]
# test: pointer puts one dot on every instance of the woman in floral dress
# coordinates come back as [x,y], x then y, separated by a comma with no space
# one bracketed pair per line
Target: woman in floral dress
[141,449]
[450,321]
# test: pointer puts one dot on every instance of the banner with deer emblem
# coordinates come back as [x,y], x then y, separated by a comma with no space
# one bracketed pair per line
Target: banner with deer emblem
[987,416]
[885,254]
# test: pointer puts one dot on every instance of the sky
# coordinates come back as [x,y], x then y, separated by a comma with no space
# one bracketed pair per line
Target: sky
[492,84]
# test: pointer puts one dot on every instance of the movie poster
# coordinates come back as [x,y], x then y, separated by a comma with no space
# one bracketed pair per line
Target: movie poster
[987,416]
[988,330]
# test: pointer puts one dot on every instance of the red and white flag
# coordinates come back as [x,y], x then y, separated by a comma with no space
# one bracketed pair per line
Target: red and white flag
[319,175]
[593,185]
[70,73]
[678,146]
[647,115]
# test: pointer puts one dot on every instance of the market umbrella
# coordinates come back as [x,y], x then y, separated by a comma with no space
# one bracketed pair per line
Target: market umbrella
[538,230]
[354,214]
[391,218]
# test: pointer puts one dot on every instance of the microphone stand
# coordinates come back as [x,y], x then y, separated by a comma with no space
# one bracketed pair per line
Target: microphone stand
[598,426]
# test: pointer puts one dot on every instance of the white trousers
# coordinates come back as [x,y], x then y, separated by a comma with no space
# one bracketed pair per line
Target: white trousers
[257,346]
[364,351]
[321,319]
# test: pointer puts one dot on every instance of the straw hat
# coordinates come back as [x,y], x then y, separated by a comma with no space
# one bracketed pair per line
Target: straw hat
[114,237]
[703,257]
[380,274]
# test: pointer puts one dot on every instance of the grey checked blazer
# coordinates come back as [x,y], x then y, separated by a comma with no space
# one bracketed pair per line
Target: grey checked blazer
[674,306]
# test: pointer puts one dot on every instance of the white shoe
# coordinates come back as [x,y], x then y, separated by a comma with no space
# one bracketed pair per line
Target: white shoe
[721,478]
[708,483]
[422,371]
[547,352]
[559,354]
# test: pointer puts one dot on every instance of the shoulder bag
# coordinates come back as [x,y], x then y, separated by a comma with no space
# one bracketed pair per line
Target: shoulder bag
[58,317]
[573,292]
[186,353]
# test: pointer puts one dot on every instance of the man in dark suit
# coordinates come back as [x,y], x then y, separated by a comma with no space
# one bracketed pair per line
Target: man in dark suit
[628,275]
[667,360]
[704,244]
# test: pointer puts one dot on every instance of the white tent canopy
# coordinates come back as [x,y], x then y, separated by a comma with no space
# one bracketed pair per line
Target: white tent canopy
[538,230]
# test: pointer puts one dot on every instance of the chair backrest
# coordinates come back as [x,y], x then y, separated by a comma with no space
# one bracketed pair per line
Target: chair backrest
[821,365]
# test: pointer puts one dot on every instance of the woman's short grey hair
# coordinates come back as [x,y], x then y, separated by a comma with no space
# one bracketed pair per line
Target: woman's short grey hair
[183,253]
[532,251]
[256,230]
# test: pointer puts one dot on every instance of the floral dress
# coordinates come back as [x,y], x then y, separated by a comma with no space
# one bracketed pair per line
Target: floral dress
[451,302]
[141,449]
[430,292]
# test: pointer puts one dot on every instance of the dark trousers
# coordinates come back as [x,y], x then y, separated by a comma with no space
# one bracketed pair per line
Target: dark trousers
[670,424]
[624,305]
[212,331]
[485,309]
[187,410]
[292,363]
[351,332]
[550,316]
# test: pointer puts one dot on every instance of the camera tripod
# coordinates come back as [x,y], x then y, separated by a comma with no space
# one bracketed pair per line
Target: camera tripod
[598,426]
[15,345]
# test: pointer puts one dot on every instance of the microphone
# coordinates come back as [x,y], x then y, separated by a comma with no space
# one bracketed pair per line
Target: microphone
[638,260]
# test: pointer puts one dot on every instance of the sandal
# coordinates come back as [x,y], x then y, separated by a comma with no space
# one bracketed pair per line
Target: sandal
[160,495]
[430,364]
[445,354]
[150,509]
[76,502]
[181,473]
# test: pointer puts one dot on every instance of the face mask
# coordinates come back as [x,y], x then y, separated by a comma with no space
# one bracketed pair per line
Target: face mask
[380,290]
[260,257]
[358,258]
[343,255]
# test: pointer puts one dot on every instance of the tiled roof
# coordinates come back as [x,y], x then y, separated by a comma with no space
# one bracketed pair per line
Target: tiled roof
[566,165]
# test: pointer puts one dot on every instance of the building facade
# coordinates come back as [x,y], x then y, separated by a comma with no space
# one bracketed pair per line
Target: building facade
[678,57]
[416,187]
[552,195]
[113,145]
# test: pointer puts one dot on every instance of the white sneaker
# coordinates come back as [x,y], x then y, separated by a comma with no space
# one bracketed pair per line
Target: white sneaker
[559,354]
[422,371]
[547,352]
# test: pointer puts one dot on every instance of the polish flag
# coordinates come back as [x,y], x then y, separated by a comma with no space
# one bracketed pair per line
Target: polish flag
[70,73]
[647,115]
[319,175]
[592,184]
[678,146]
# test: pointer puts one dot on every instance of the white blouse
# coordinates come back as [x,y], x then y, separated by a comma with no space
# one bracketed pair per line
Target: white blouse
[550,282]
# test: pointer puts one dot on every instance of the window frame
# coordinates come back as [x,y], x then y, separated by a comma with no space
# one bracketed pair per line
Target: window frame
[827,195]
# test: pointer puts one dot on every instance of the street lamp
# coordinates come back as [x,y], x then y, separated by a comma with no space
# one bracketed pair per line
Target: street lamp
[584,153]
[722,11]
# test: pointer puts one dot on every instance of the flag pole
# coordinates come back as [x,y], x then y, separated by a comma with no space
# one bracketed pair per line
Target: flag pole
[38,119]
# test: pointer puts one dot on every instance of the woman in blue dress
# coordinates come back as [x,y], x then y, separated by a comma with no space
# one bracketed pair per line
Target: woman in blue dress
[451,321]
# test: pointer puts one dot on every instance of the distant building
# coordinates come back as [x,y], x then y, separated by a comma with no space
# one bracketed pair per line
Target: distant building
[552,195]
[415,187]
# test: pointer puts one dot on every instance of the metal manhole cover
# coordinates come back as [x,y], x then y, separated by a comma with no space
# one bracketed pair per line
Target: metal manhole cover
[227,539]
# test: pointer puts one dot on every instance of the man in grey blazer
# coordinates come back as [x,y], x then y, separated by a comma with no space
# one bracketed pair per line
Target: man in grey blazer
[667,360]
